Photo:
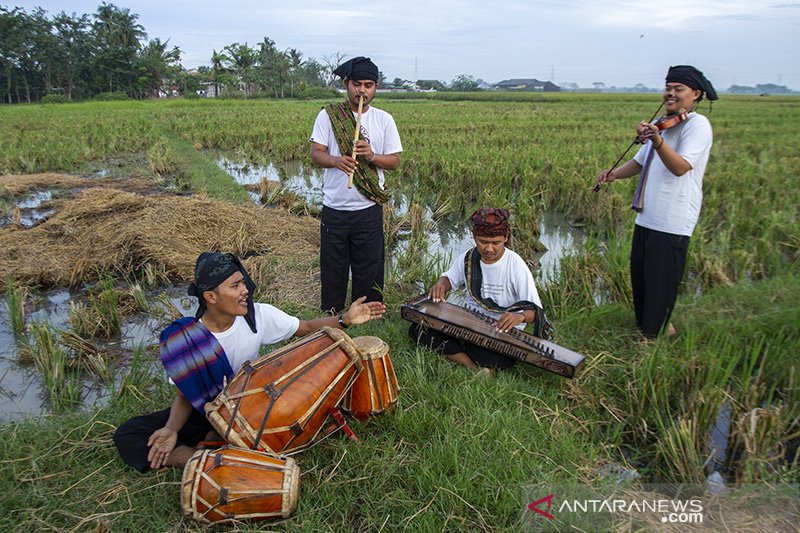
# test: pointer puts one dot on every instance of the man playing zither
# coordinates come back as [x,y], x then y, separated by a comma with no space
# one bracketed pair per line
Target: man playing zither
[351,231]
[499,284]
[199,353]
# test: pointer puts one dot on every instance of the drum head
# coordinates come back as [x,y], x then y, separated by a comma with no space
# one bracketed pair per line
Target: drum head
[371,347]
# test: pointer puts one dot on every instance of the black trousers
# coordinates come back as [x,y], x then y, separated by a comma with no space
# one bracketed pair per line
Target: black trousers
[448,345]
[131,437]
[658,260]
[351,241]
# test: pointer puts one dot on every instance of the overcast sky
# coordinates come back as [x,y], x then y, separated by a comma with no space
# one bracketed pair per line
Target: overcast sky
[617,42]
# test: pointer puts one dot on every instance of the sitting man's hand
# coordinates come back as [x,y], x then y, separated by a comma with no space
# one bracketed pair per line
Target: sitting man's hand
[438,292]
[361,312]
[161,443]
[509,320]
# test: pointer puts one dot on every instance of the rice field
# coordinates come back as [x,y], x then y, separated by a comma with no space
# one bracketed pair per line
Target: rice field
[461,451]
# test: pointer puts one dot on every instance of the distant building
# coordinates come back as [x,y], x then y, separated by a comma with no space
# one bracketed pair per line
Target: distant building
[429,85]
[527,84]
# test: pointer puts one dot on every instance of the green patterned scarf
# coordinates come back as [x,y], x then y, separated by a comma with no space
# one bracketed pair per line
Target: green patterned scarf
[365,177]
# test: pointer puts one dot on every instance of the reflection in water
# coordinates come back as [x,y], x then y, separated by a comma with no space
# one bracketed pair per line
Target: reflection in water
[291,176]
[30,210]
[21,391]
[447,237]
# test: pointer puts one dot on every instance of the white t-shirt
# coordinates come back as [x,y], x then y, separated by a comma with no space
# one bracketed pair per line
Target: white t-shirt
[241,344]
[377,128]
[506,281]
[672,203]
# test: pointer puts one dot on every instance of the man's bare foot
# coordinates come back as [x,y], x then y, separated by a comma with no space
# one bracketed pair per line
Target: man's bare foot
[487,372]
[671,331]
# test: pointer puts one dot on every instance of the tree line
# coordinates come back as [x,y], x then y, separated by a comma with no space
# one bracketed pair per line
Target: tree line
[75,57]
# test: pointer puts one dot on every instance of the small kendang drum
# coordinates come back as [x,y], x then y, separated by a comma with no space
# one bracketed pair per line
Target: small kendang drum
[234,483]
[375,389]
[281,401]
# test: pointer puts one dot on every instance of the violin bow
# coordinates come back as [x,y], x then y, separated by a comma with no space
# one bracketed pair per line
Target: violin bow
[355,139]
[635,142]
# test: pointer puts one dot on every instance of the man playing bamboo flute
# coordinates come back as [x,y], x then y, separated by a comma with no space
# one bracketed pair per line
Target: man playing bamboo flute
[199,353]
[671,164]
[499,284]
[351,231]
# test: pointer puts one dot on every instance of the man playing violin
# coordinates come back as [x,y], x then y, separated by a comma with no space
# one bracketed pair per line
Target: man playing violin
[671,164]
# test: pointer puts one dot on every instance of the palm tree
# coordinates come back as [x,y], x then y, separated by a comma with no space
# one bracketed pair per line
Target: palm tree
[118,27]
[295,58]
[118,39]
[217,67]
[242,59]
[157,63]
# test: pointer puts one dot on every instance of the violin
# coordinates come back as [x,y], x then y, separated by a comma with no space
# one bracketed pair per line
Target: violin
[666,122]
[663,122]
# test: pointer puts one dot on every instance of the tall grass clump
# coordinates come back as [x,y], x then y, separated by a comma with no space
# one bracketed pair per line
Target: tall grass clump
[100,316]
[59,380]
[15,304]
[138,378]
[663,402]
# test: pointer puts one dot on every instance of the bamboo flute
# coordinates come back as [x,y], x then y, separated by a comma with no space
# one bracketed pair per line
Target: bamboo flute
[355,138]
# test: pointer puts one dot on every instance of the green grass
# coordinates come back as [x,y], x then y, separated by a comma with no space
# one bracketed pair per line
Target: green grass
[460,450]
[15,304]
[527,151]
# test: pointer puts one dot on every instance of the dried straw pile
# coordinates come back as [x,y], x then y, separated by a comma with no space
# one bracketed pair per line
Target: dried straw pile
[112,231]
[17,184]
[12,184]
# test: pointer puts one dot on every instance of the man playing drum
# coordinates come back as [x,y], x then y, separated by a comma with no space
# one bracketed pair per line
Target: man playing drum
[499,284]
[200,353]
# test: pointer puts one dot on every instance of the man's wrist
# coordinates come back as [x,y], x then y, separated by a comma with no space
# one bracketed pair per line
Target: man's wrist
[341,321]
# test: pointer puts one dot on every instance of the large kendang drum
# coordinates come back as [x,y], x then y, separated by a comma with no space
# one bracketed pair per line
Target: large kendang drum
[235,483]
[281,401]
[375,390]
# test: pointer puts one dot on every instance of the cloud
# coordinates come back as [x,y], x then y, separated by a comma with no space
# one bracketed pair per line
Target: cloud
[672,15]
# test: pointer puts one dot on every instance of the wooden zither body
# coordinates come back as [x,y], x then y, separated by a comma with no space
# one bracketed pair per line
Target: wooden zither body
[234,483]
[280,401]
[480,329]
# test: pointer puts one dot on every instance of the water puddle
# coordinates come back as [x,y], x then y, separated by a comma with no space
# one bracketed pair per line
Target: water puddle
[447,237]
[30,210]
[290,177]
[21,388]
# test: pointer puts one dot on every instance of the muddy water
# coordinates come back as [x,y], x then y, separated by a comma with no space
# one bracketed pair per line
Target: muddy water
[447,238]
[21,391]
[32,209]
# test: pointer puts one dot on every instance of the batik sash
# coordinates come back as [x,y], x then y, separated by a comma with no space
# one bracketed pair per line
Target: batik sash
[195,360]
[638,199]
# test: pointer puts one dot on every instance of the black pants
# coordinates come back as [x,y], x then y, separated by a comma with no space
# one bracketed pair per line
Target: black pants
[351,241]
[131,437]
[448,345]
[657,263]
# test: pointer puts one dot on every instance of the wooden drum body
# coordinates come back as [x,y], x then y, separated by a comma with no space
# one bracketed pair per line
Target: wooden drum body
[375,389]
[281,401]
[234,483]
